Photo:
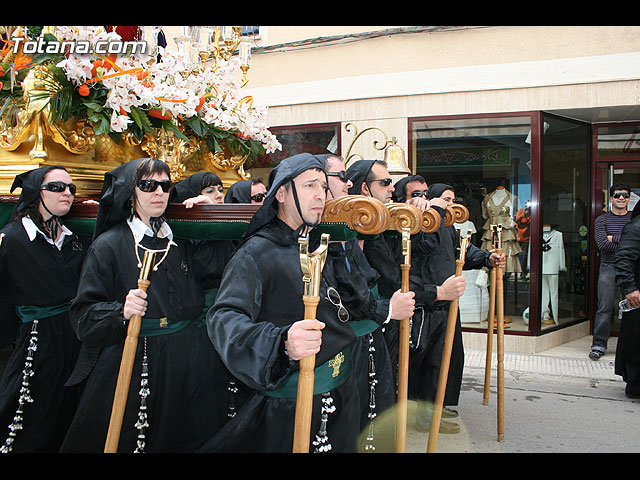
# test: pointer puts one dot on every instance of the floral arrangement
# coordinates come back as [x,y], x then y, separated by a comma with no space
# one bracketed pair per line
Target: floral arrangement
[137,93]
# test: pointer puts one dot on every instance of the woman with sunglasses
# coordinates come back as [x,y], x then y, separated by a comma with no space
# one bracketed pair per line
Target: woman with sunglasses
[173,402]
[199,188]
[40,262]
[246,191]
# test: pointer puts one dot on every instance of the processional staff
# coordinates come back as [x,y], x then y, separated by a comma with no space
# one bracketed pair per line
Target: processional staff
[312,265]
[129,350]
[497,229]
[491,318]
[408,220]
[446,352]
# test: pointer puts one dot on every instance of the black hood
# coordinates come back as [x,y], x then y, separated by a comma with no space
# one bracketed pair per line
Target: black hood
[286,171]
[400,194]
[115,200]
[437,189]
[358,172]
[239,192]
[30,183]
[192,186]
[636,210]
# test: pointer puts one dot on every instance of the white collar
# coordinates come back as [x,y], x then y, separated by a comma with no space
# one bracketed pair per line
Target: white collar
[139,230]
[32,230]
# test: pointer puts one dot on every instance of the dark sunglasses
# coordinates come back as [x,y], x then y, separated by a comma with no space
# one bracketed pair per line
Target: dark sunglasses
[334,297]
[152,185]
[258,197]
[58,187]
[342,175]
[621,194]
[385,182]
[418,193]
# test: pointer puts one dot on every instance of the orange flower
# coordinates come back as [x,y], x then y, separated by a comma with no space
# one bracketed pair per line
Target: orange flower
[84,90]
[96,64]
[22,61]
[199,107]
[158,114]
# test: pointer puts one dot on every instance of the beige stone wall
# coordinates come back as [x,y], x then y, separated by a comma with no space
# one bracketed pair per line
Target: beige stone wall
[382,81]
[440,49]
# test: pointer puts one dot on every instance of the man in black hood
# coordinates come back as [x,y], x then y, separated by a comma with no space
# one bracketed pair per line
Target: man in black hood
[383,252]
[432,277]
[258,327]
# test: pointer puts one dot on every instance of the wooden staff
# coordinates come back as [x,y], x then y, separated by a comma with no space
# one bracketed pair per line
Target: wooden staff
[403,353]
[446,353]
[126,363]
[490,321]
[311,264]
[500,335]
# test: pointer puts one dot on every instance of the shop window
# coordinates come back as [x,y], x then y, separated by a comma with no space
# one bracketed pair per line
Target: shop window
[565,221]
[315,139]
[618,141]
[488,162]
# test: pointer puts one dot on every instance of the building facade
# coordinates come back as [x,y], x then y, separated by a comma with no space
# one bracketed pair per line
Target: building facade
[530,124]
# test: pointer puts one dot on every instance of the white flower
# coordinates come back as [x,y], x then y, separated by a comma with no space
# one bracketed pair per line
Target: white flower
[119,123]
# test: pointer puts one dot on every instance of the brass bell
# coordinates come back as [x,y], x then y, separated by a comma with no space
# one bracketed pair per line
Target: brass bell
[394,157]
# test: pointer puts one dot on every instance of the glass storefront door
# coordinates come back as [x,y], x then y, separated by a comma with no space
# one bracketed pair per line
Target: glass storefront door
[487,160]
[608,173]
[563,247]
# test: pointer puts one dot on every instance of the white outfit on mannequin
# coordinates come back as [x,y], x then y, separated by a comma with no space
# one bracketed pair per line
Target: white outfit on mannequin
[474,302]
[553,262]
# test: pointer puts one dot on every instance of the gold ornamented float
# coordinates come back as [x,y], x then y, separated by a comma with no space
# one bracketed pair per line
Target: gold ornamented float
[91,112]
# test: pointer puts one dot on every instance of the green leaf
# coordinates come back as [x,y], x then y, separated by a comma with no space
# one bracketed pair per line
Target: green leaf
[169,126]
[197,125]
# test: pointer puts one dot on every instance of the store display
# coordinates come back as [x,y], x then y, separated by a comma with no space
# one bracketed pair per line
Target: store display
[553,262]
[497,209]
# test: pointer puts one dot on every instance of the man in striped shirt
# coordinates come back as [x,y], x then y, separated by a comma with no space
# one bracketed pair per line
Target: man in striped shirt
[608,228]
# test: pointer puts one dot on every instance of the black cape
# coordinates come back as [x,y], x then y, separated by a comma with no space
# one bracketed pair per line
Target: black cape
[37,274]
[183,406]
[248,326]
[433,260]
[627,262]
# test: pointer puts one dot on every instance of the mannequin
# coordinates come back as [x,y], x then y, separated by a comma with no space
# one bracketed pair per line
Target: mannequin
[474,302]
[553,262]
[497,208]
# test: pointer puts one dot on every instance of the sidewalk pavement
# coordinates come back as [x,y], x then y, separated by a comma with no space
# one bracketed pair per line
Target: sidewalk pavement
[555,401]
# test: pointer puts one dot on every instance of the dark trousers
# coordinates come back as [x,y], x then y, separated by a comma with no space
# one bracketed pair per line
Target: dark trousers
[607,296]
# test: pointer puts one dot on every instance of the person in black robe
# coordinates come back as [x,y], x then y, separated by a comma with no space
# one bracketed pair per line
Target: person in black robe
[627,264]
[257,325]
[433,266]
[246,191]
[172,403]
[384,251]
[199,188]
[40,262]
[357,283]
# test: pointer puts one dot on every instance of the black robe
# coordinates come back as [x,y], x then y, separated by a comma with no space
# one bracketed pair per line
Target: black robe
[357,282]
[384,254]
[433,260]
[259,298]
[627,262]
[183,408]
[37,274]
